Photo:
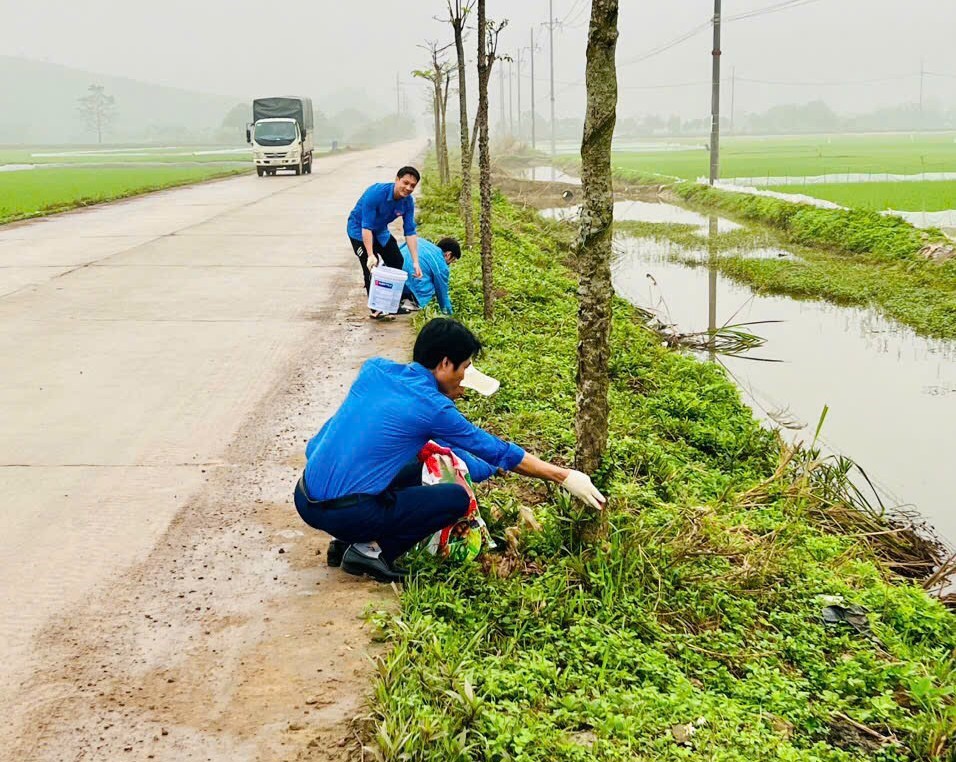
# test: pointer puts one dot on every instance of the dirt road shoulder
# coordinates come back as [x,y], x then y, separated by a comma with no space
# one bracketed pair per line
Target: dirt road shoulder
[232,640]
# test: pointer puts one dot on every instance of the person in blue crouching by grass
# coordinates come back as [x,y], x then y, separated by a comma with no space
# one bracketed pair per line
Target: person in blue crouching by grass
[435,261]
[362,481]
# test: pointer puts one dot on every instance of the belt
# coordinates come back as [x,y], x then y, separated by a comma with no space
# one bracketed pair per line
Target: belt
[346,501]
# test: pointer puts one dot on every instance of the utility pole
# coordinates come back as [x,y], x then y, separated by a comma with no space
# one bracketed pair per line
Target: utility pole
[398,95]
[501,93]
[733,90]
[511,97]
[532,90]
[921,74]
[715,100]
[520,51]
[551,32]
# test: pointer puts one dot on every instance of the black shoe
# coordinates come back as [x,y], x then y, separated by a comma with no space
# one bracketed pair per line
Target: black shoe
[335,552]
[358,564]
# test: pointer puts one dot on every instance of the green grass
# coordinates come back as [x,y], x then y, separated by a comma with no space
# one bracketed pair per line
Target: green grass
[702,602]
[803,155]
[929,196]
[46,191]
[120,153]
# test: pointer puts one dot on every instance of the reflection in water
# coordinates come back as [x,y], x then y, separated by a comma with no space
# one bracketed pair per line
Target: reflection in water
[549,173]
[647,211]
[891,394]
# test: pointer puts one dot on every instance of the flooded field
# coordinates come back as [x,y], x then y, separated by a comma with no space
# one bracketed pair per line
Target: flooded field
[891,394]
[646,211]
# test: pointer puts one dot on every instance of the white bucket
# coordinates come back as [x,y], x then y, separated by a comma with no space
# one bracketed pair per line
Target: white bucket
[385,290]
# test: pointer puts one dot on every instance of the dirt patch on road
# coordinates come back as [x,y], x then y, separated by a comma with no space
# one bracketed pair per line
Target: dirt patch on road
[233,640]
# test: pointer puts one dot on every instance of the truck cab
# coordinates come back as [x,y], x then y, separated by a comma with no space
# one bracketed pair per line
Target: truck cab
[281,135]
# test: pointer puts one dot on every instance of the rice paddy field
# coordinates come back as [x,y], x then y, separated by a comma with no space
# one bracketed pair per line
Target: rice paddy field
[928,196]
[787,163]
[29,193]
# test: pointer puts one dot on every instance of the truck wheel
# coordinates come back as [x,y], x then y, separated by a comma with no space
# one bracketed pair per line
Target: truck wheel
[309,167]
[260,171]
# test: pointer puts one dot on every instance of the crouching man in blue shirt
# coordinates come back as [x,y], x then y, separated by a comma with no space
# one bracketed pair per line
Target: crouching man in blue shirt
[362,482]
[377,207]
[435,260]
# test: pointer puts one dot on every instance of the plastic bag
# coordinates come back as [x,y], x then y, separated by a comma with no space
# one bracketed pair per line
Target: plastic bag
[465,539]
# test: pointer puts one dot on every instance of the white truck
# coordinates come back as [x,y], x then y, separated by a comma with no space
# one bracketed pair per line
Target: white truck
[281,134]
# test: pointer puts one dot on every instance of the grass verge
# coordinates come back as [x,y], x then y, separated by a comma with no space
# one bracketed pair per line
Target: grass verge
[38,192]
[694,630]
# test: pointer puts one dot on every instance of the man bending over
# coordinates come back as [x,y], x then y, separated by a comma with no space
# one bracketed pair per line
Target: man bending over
[378,206]
[435,261]
[362,482]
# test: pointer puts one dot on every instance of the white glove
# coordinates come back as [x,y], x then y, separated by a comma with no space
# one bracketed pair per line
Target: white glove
[579,485]
[372,262]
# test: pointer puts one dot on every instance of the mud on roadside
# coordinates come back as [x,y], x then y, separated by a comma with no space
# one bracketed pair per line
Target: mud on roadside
[233,639]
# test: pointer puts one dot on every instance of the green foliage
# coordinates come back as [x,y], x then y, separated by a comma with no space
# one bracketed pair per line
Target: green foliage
[700,607]
[856,231]
[30,193]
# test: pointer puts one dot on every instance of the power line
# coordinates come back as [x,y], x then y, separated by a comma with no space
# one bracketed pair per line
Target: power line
[831,83]
[780,6]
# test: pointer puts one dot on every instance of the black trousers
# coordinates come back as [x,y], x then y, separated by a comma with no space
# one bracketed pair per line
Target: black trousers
[397,519]
[389,253]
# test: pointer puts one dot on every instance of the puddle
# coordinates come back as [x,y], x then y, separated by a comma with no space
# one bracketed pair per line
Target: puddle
[891,394]
[548,173]
[648,211]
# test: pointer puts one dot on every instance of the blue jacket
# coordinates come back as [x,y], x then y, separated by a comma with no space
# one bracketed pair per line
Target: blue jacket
[389,414]
[435,273]
[376,209]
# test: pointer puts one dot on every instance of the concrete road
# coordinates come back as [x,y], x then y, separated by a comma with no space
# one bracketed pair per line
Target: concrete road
[137,339]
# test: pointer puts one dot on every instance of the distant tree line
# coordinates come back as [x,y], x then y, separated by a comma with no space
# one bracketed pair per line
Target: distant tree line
[812,117]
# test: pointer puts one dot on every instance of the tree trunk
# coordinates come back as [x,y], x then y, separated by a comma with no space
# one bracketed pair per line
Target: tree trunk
[445,163]
[436,109]
[593,245]
[484,164]
[465,199]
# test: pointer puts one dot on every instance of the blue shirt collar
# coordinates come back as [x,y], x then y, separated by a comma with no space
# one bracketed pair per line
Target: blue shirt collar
[423,371]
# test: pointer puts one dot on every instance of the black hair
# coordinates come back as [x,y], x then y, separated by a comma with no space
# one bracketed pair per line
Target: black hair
[409,171]
[450,245]
[444,337]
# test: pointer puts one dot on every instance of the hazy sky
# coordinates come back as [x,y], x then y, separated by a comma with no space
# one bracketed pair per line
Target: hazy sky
[318,47]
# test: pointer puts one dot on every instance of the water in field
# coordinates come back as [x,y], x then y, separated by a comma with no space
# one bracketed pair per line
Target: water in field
[549,173]
[891,394]
[645,211]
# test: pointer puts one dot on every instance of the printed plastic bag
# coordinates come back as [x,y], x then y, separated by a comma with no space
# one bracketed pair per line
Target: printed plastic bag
[463,540]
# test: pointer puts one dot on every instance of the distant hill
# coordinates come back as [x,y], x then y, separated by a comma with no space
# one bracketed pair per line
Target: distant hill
[38,104]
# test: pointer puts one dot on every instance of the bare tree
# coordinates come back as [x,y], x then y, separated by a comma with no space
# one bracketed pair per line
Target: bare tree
[438,75]
[488,32]
[98,110]
[593,245]
[443,146]
[458,11]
